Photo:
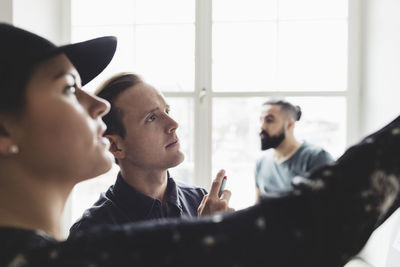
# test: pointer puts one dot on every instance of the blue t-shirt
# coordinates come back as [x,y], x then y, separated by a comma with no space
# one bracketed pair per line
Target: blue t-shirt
[272,176]
[123,204]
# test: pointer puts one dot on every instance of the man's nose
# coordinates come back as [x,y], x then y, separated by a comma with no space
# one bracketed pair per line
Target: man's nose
[172,125]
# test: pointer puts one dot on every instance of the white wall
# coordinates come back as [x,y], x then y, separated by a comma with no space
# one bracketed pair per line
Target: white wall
[380,94]
[6,11]
[380,82]
[48,18]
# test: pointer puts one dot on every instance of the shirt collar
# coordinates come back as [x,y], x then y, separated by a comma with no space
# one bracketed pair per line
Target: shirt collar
[172,193]
[135,204]
[138,205]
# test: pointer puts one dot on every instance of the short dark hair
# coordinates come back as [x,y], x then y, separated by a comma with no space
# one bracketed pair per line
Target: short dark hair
[109,91]
[293,111]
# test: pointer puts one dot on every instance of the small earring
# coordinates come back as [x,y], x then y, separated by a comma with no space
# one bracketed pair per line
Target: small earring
[14,149]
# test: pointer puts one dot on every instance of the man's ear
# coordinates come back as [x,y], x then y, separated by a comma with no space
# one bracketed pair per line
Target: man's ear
[290,124]
[116,145]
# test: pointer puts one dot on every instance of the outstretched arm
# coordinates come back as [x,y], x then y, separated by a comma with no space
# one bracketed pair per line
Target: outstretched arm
[323,222]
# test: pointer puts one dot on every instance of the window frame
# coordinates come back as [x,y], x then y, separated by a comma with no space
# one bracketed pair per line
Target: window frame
[203,95]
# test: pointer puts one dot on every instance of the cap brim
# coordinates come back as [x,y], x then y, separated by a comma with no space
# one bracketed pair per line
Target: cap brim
[90,57]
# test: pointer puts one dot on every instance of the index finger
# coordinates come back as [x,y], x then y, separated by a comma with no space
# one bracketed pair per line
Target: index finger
[216,184]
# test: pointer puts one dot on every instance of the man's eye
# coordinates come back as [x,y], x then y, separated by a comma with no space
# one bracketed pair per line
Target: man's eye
[70,89]
[167,110]
[151,118]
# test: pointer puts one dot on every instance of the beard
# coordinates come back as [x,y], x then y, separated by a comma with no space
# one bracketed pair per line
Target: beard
[271,141]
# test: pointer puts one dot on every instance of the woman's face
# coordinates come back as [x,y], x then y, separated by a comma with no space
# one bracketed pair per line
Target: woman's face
[59,133]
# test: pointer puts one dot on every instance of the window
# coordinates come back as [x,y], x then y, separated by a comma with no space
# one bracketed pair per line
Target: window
[217,61]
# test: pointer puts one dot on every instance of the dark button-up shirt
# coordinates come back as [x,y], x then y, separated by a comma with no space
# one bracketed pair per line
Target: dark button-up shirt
[122,204]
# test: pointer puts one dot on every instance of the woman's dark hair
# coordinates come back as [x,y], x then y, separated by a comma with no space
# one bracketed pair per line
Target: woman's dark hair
[12,90]
[109,91]
[290,109]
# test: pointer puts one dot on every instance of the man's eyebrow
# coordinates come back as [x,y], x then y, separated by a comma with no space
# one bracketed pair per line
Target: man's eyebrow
[267,117]
[153,110]
[150,111]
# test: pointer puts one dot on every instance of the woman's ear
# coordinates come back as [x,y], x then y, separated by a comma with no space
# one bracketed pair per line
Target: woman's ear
[7,146]
[116,146]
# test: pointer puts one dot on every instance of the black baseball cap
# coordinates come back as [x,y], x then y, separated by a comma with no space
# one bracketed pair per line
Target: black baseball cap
[21,51]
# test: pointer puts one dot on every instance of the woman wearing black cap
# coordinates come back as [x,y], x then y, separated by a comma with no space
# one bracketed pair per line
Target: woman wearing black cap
[51,138]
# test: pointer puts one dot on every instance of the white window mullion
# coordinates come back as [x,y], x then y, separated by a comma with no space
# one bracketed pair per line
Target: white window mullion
[268,94]
[353,72]
[203,101]
[66,22]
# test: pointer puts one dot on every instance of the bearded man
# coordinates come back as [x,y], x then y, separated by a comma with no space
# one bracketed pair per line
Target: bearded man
[284,156]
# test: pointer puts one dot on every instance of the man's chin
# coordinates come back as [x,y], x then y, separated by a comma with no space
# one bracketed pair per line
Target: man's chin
[178,159]
[266,147]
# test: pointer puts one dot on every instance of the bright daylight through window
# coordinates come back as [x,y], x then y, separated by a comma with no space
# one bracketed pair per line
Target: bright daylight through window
[217,61]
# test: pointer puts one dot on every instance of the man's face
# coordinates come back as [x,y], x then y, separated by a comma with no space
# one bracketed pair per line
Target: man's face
[150,142]
[272,127]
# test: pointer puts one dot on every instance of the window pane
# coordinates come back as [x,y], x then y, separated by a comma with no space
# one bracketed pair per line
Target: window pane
[323,122]
[164,56]
[302,49]
[87,192]
[244,10]
[313,56]
[312,9]
[102,12]
[106,12]
[123,60]
[161,11]
[244,56]
[157,41]
[182,112]
[236,144]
